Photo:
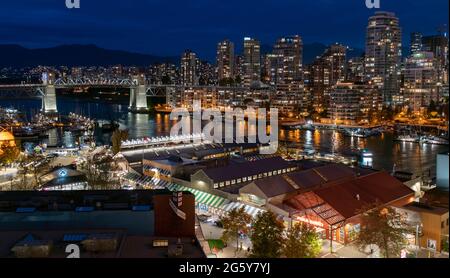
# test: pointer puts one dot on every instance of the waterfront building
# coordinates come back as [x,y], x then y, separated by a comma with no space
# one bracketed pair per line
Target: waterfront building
[189,69]
[328,198]
[239,173]
[383,53]
[225,60]
[352,103]
[251,61]
[420,81]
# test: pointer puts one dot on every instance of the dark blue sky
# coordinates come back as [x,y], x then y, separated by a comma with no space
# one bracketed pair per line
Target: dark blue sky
[167,27]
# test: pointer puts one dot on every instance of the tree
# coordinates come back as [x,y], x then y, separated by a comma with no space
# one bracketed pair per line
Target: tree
[9,154]
[384,227]
[117,137]
[267,236]
[235,222]
[302,241]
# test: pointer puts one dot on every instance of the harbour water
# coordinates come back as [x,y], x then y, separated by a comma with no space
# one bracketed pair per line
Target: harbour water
[410,157]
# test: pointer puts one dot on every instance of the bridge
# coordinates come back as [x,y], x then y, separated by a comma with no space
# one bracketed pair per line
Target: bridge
[139,90]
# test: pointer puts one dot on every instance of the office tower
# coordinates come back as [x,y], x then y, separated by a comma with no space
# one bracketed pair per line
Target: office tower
[189,68]
[225,60]
[416,42]
[383,53]
[252,61]
[326,71]
[420,80]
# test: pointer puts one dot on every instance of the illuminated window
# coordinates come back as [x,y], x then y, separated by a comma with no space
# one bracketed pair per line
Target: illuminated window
[160,243]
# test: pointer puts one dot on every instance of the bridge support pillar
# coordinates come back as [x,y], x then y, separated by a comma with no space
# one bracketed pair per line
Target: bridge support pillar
[49,100]
[138,96]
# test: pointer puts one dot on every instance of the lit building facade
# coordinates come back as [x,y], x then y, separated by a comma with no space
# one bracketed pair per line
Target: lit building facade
[420,81]
[252,61]
[383,53]
[354,103]
[325,72]
[416,42]
[287,76]
[189,68]
[225,60]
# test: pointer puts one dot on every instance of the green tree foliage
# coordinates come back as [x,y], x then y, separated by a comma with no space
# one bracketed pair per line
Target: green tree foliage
[267,236]
[302,241]
[235,222]
[117,137]
[9,154]
[384,227]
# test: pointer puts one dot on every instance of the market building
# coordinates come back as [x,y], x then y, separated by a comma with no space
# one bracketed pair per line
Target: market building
[330,198]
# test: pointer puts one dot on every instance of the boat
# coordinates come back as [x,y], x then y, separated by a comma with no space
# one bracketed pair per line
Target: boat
[433,140]
[407,138]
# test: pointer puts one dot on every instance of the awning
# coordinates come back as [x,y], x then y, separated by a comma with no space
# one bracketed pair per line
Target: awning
[253,211]
[200,196]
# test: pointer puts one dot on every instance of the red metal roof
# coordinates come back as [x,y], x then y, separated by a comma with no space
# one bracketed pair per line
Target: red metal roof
[337,202]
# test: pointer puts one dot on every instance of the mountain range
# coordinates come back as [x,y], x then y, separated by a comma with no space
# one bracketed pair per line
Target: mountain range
[16,56]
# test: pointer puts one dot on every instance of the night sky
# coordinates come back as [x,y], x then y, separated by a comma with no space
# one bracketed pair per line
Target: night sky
[167,27]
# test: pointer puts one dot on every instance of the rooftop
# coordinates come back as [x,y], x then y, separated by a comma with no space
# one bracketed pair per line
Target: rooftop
[236,170]
[349,196]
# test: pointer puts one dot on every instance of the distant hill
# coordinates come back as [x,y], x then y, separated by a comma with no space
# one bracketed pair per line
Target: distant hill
[74,55]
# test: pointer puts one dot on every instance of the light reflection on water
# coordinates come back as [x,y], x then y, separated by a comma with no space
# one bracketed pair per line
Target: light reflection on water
[386,152]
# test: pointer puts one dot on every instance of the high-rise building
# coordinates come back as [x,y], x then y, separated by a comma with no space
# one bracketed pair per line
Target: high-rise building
[286,63]
[416,42]
[189,69]
[270,68]
[326,71]
[206,74]
[383,53]
[438,45]
[420,80]
[252,61]
[355,70]
[225,60]
[238,68]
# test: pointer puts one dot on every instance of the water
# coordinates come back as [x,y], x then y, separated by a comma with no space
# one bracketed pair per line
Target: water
[406,156]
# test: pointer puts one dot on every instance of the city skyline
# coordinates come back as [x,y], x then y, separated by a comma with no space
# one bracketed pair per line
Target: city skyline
[170,33]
